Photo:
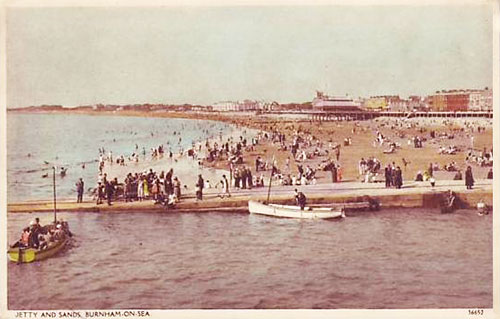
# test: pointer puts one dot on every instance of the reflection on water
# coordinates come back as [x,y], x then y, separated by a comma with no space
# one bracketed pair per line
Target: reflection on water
[389,259]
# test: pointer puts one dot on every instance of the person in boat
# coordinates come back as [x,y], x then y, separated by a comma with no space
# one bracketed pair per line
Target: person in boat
[34,232]
[300,199]
[24,241]
[45,240]
[59,234]
[449,204]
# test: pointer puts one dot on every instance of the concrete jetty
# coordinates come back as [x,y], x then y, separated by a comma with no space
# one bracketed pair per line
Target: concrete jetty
[413,194]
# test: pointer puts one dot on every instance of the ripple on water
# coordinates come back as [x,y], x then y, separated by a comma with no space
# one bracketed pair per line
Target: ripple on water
[382,260]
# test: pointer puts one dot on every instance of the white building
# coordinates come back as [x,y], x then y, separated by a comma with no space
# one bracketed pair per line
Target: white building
[324,102]
[238,106]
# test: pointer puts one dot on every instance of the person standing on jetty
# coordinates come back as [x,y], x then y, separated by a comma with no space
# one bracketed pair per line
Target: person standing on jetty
[79,190]
[333,170]
[199,190]
[388,176]
[225,187]
[469,178]
[398,180]
[109,187]
[177,188]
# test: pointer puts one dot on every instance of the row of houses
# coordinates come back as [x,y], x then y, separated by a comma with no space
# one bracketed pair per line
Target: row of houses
[445,100]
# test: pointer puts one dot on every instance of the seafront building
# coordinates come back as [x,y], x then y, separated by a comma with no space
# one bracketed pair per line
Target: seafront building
[323,102]
[461,100]
[242,106]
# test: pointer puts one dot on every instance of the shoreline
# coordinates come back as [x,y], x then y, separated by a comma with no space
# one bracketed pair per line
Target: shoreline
[332,132]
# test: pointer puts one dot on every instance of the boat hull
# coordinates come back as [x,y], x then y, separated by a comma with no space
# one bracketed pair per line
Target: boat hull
[287,211]
[30,254]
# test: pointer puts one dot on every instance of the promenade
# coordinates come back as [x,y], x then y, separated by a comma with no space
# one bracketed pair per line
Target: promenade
[412,194]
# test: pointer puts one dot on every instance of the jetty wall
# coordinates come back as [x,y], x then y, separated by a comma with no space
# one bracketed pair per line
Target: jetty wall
[239,203]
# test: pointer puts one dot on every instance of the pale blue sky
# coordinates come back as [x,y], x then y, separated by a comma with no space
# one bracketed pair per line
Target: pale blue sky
[77,56]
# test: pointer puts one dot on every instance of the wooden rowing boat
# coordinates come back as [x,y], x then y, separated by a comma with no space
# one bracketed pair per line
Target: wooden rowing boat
[289,211]
[32,254]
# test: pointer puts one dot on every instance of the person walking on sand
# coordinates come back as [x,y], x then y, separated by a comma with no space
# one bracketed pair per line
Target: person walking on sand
[469,178]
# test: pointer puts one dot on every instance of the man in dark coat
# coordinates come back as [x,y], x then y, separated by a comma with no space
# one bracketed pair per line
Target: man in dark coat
[109,191]
[469,178]
[399,177]
[100,193]
[249,177]
[333,169]
[199,188]
[388,176]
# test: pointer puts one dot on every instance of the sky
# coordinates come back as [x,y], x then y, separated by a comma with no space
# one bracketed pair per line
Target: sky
[202,55]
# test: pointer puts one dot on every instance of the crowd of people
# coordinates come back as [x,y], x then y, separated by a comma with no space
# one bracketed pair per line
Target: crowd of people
[41,237]
[306,155]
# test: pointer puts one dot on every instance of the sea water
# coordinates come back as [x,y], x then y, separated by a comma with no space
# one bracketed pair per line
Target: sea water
[37,142]
[400,258]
